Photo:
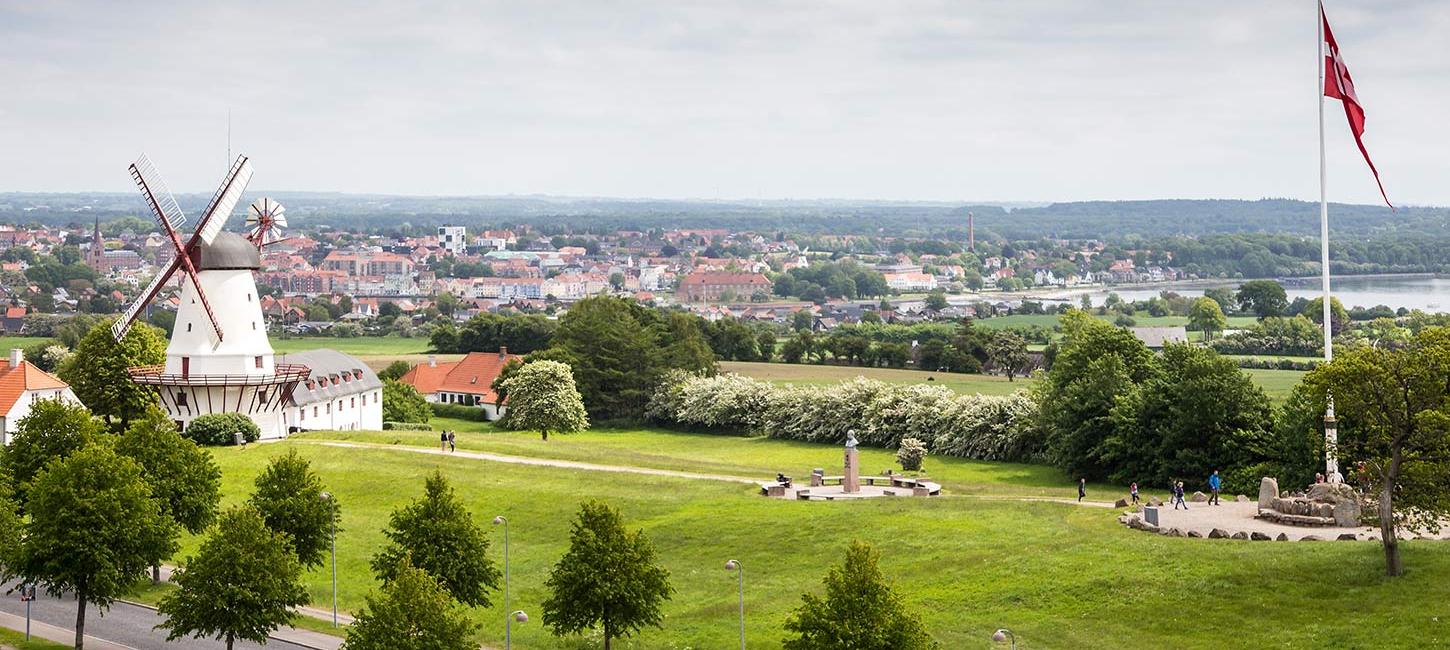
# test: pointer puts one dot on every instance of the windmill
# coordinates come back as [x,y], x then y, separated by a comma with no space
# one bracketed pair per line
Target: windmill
[169,217]
[265,221]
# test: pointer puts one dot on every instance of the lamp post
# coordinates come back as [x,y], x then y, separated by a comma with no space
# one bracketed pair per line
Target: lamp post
[519,616]
[503,521]
[1005,634]
[739,569]
[332,521]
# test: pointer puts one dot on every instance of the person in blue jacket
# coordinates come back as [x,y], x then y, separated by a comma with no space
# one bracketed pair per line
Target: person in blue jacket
[1214,483]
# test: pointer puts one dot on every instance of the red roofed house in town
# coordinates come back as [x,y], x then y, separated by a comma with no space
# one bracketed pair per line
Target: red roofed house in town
[468,381]
[711,285]
[21,386]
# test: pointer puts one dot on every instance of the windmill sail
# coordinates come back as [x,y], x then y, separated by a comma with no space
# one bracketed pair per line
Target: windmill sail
[123,324]
[154,189]
[225,200]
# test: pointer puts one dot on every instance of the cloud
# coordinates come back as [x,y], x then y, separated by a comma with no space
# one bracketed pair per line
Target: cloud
[1028,100]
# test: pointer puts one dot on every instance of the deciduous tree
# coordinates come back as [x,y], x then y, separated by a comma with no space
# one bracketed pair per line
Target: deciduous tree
[94,529]
[402,403]
[97,370]
[183,476]
[411,612]
[289,498]
[860,611]
[1206,316]
[1008,351]
[1393,405]
[542,397]
[1263,297]
[53,429]
[607,579]
[438,535]
[242,583]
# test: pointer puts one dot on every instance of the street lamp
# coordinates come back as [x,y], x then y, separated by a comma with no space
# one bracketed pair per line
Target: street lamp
[503,521]
[519,616]
[1003,635]
[332,521]
[736,566]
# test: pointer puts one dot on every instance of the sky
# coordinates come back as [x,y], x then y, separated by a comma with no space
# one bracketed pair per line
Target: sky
[1017,100]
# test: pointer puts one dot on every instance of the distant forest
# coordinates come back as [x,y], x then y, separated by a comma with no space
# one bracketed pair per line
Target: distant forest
[1269,237]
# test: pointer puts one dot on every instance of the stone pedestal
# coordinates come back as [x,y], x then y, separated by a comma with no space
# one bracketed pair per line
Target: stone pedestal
[852,481]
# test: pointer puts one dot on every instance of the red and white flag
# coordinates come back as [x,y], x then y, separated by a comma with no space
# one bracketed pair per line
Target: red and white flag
[1339,85]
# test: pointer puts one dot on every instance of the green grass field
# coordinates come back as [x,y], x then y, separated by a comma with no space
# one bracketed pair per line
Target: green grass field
[1060,576]
[12,639]
[8,342]
[1276,383]
[1143,320]
[362,345]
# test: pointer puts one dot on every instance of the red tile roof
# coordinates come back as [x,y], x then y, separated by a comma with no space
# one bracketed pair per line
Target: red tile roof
[473,375]
[15,381]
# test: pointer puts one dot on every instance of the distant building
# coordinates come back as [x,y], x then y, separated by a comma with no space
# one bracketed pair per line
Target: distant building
[21,386]
[340,393]
[910,281]
[1157,337]
[453,239]
[106,262]
[468,381]
[702,286]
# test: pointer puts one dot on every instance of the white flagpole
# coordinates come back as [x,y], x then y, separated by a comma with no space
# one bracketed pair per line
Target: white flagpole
[1331,463]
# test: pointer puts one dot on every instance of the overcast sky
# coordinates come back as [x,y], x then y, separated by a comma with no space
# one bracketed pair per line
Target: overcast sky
[956,100]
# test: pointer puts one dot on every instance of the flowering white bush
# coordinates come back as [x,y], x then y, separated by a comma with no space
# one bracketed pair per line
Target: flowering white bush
[910,455]
[881,414]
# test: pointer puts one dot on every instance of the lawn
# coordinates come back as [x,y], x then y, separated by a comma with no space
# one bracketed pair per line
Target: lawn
[808,374]
[8,342]
[361,345]
[1276,383]
[16,639]
[1059,576]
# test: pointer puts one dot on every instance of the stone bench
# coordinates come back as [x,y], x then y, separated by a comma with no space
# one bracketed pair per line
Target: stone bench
[772,489]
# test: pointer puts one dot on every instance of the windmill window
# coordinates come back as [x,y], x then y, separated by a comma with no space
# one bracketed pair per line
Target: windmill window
[188,327]
[249,297]
[254,325]
[181,399]
[262,396]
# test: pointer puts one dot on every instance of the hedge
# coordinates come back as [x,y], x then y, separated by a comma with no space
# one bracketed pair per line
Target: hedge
[460,412]
[407,426]
[220,429]
[881,414]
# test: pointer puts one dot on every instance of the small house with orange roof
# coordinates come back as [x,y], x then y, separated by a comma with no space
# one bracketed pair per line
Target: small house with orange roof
[21,386]
[468,381]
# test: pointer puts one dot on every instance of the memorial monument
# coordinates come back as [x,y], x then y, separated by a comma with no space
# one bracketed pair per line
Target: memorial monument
[851,483]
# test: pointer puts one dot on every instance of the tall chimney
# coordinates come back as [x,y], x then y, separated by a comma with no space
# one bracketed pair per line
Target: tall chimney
[16,356]
[432,361]
[971,232]
[503,351]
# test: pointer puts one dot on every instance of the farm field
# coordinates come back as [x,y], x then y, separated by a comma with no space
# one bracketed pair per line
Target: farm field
[1050,572]
[1050,320]
[8,342]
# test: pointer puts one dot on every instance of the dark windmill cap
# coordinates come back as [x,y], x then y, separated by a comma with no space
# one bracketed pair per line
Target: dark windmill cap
[228,251]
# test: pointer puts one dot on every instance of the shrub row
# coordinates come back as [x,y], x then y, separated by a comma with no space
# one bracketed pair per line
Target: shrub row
[459,412]
[406,426]
[1277,364]
[881,414]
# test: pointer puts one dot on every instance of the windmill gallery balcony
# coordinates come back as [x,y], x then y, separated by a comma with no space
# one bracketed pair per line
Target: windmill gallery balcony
[285,373]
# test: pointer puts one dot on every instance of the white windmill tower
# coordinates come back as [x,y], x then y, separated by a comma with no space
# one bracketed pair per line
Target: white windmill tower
[219,360]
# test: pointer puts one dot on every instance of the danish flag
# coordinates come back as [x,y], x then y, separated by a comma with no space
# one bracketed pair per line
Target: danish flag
[1339,85]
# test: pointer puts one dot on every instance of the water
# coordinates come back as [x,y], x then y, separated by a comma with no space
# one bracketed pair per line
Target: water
[1413,292]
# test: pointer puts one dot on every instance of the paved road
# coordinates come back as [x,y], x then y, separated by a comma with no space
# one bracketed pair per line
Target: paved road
[122,626]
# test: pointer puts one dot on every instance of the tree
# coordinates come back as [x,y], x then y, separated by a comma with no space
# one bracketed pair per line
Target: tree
[183,476]
[860,611]
[97,370]
[1008,350]
[94,529]
[542,397]
[396,369]
[621,600]
[1263,297]
[221,429]
[437,534]
[1337,315]
[1206,316]
[412,612]
[402,403]
[615,351]
[1224,296]
[11,525]
[289,498]
[53,430]
[937,300]
[504,374]
[1394,427]
[242,583]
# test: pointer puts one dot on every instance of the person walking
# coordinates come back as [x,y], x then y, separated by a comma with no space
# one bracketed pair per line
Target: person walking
[1214,483]
[1081,489]
[1133,490]
[1178,496]
[443,441]
[452,437]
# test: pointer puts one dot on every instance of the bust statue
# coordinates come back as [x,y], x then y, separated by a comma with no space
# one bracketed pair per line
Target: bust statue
[851,439]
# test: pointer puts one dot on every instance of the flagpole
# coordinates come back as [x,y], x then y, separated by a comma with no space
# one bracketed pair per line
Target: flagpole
[1331,463]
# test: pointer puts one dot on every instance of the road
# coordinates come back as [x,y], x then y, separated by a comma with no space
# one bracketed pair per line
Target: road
[123,626]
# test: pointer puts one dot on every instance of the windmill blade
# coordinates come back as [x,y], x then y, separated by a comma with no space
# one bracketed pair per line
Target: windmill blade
[123,324]
[163,205]
[224,201]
